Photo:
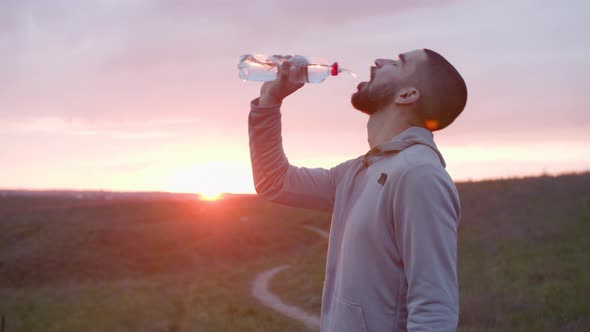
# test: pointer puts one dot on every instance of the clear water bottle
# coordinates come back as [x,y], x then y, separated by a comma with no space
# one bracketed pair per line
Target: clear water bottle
[261,68]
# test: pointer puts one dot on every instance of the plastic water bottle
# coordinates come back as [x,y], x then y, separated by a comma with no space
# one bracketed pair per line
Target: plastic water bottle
[261,68]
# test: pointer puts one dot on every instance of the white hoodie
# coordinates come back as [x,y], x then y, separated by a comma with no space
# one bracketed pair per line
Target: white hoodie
[393,239]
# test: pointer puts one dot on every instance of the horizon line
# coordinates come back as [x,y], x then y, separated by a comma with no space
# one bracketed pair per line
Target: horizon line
[148,191]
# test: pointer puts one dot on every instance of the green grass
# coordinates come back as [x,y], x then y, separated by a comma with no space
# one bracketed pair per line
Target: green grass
[532,281]
[143,266]
[213,301]
[179,265]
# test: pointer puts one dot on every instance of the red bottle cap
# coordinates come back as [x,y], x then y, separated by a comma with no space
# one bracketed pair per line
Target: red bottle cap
[334,69]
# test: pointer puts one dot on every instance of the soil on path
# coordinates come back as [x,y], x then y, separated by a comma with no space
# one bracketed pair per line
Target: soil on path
[261,291]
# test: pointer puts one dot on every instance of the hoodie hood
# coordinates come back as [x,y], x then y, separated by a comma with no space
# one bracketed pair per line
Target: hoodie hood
[407,138]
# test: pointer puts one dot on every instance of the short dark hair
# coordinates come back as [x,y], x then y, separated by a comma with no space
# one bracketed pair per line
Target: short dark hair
[443,92]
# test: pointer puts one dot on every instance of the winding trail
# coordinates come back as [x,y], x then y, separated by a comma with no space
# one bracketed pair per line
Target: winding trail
[261,291]
[318,231]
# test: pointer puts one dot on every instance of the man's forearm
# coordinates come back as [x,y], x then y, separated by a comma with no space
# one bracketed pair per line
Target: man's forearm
[266,100]
[269,163]
[274,178]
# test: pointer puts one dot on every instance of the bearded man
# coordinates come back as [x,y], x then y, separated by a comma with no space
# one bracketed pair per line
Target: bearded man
[392,256]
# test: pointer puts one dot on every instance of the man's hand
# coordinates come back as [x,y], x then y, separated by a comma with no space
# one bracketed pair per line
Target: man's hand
[273,92]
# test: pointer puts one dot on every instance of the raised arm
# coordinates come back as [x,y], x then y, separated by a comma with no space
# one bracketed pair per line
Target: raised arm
[274,178]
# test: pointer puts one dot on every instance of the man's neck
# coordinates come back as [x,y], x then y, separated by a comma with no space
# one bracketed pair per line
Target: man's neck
[384,125]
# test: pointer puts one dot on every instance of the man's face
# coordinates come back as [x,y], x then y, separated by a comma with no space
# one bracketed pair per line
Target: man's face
[387,77]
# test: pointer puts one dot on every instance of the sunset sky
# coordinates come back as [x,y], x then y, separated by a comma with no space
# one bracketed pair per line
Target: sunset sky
[145,95]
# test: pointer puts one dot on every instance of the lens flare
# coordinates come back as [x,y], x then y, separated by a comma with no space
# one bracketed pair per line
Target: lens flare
[431,125]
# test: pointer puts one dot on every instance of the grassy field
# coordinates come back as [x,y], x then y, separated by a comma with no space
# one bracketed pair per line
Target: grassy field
[187,265]
[179,265]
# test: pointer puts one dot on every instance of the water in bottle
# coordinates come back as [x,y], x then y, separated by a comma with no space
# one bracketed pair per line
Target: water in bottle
[260,67]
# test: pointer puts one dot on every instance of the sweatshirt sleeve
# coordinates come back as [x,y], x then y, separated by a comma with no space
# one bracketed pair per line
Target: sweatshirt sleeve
[426,216]
[277,180]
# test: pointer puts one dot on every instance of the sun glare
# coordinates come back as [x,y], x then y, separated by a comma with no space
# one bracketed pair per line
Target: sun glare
[210,180]
[212,196]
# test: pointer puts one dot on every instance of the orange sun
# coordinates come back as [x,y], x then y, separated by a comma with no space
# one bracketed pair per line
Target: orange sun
[209,180]
[210,196]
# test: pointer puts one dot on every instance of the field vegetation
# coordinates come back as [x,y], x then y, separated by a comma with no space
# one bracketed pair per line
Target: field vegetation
[71,264]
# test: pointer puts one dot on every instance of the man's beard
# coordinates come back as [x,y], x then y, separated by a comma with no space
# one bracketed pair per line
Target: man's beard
[369,99]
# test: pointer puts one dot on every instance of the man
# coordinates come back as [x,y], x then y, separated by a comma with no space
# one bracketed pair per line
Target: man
[393,240]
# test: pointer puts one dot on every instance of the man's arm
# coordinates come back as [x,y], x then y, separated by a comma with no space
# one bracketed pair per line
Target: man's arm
[274,178]
[426,216]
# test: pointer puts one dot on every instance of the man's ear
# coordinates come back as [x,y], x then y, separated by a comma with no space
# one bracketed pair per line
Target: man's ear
[406,96]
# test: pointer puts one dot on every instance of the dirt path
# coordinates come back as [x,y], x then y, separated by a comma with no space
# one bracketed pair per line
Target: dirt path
[261,291]
[318,231]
